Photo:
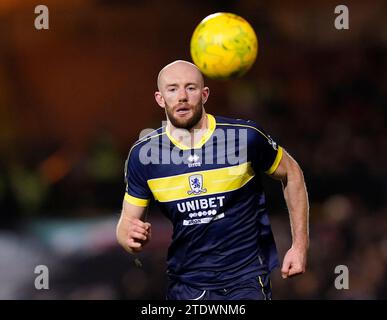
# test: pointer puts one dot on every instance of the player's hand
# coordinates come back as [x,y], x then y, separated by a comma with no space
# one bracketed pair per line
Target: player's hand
[294,262]
[139,234]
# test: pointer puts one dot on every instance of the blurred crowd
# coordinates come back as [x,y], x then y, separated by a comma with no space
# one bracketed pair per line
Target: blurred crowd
[327,107]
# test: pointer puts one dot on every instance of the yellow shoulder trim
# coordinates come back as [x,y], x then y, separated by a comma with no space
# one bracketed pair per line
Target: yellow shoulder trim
[276,162]
[203,140]
[136,201]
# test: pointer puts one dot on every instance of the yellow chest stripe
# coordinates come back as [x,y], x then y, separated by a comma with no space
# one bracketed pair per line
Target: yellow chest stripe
[211,182]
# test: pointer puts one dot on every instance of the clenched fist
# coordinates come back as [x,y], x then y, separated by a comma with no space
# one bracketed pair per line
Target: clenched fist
[139,234]
[133,234]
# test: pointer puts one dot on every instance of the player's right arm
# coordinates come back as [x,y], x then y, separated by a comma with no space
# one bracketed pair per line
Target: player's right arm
[131,232]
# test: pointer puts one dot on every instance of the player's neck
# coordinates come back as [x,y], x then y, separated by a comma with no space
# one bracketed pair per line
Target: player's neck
[191,137]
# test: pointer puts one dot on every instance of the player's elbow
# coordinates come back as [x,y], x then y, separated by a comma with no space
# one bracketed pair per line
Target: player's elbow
[295,178]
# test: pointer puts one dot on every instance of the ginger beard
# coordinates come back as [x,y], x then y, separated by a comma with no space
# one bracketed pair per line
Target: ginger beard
[184,115]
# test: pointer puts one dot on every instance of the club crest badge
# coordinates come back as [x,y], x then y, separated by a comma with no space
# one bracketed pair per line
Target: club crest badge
[196,184]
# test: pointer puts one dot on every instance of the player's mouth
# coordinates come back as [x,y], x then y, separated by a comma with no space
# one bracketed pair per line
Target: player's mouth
[183,110]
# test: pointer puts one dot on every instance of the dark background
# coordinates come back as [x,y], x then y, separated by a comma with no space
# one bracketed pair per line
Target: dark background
[75,97]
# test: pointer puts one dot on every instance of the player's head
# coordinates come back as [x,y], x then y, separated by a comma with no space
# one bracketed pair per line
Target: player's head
[182,93]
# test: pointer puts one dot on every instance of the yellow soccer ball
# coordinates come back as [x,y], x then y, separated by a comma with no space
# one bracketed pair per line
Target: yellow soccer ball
[224,45]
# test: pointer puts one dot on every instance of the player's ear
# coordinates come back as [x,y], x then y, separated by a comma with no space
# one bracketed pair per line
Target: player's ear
[205,94]
[159,99]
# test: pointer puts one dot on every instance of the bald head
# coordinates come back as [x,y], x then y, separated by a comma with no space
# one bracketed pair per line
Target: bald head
[181,92]
[179,69]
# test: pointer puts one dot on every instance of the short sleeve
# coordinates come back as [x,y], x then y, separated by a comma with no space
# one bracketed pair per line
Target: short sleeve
[137,190]
[268,153]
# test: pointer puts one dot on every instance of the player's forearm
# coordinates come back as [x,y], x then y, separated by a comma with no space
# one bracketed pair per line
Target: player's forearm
[297,202]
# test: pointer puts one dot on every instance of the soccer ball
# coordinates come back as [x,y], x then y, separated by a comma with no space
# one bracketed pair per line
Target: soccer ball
[224,45]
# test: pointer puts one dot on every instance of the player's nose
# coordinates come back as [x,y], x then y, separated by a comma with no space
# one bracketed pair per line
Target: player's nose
[182,95]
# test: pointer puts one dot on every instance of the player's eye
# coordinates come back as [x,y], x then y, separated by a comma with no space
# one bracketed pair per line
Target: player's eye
[191,88]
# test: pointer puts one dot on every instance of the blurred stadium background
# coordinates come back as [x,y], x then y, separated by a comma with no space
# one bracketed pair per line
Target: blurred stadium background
[74,98]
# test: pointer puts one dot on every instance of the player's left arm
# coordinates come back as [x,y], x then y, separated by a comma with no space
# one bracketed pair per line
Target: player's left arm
[296,197]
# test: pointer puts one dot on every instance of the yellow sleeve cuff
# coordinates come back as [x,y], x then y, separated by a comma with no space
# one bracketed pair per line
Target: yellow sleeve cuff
[276,162]
[136,201]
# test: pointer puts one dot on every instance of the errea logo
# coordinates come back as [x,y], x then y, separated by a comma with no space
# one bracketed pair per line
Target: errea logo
[193,161]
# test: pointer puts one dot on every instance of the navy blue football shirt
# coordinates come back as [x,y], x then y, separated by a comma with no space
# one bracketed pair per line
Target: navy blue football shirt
[213,196]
